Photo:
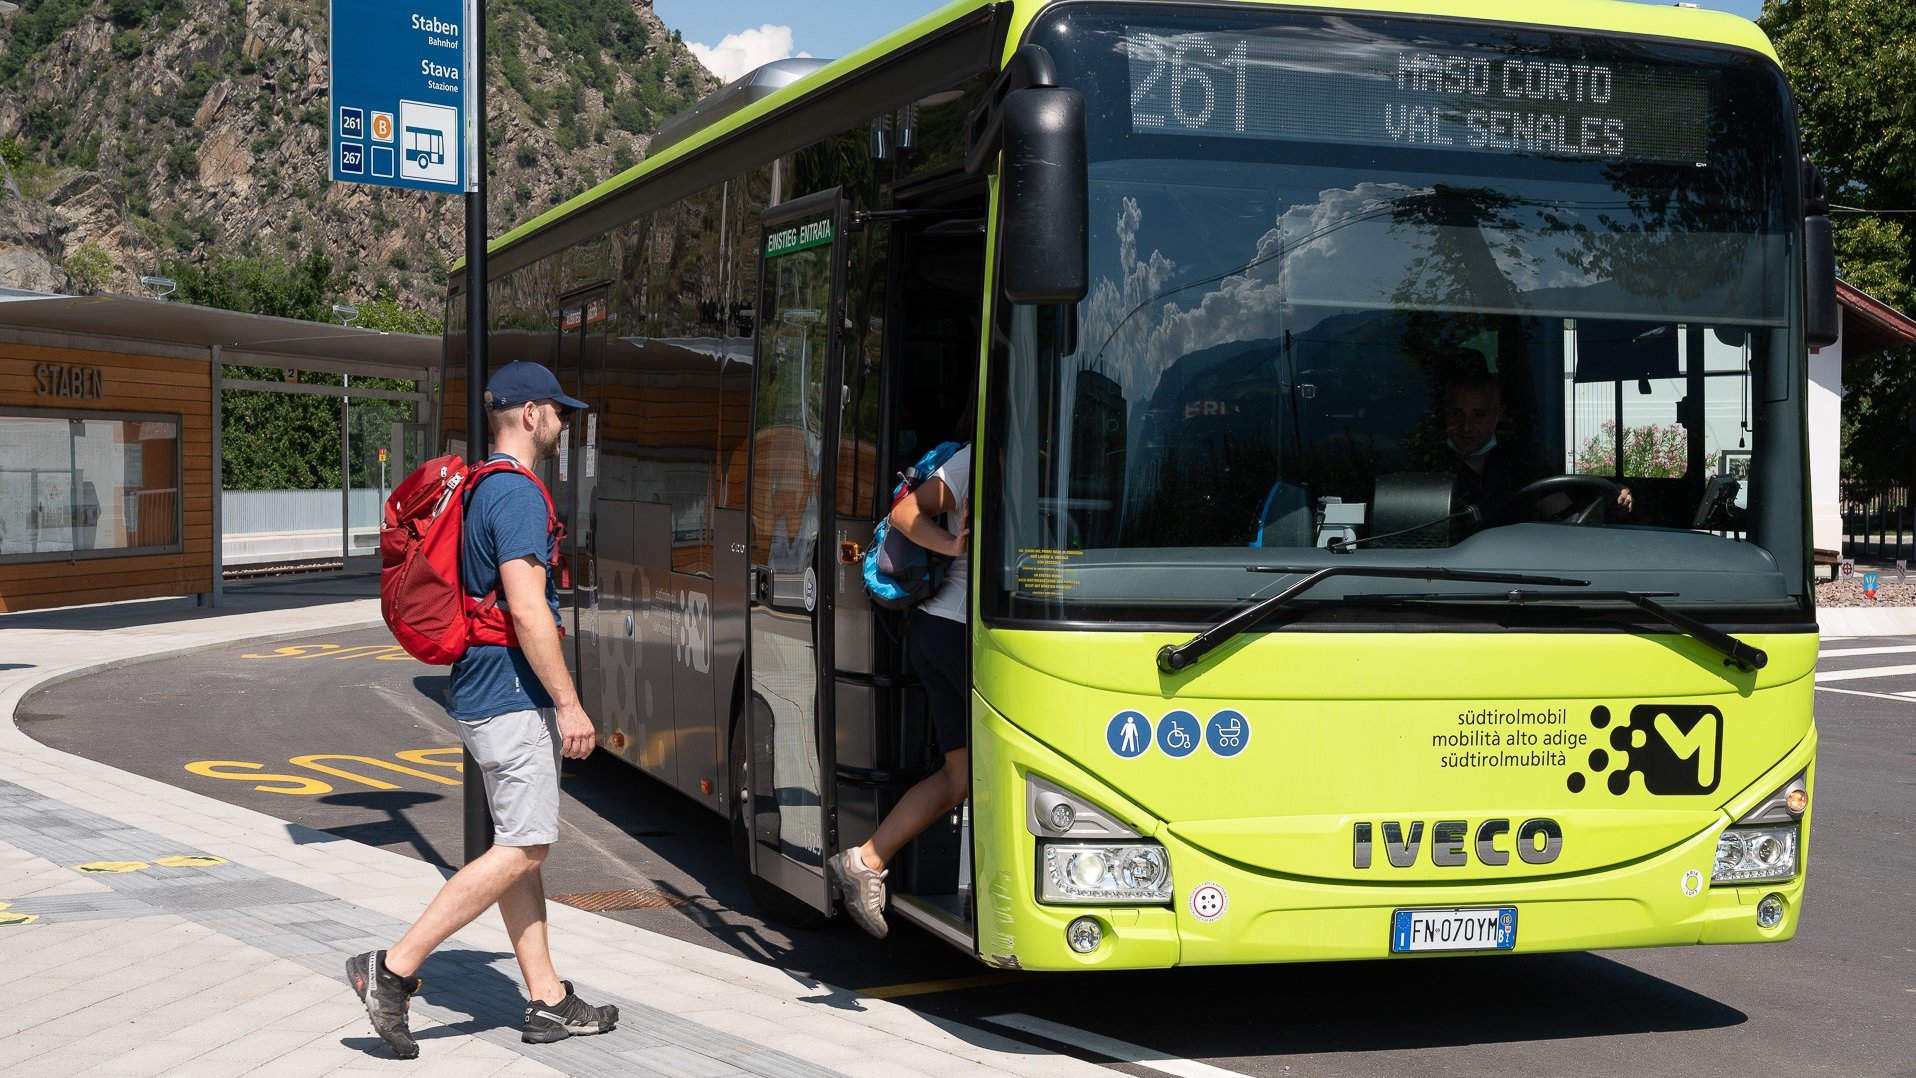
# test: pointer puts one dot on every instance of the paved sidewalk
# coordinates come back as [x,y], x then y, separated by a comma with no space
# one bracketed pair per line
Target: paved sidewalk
[148,930]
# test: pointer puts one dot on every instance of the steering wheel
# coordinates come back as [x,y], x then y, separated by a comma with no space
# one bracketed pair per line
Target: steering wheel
[1602,492]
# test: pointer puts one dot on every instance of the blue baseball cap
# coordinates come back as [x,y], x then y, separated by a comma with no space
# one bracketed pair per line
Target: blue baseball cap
[521,381]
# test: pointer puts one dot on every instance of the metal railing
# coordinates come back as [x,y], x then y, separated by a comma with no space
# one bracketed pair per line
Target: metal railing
[1879,525]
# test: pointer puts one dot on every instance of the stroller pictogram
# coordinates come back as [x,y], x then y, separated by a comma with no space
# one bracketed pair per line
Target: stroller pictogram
[1230,733]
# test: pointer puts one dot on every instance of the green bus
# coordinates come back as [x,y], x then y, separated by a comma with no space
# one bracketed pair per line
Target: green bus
[1390,520]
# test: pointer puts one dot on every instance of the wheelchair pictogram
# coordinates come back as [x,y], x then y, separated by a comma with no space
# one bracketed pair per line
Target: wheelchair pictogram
[1227,733]
[1178,734]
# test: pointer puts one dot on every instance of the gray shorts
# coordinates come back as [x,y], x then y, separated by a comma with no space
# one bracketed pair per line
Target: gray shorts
[518,752]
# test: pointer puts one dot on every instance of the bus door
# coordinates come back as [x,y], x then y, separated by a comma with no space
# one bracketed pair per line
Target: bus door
[581,362]
[787,791]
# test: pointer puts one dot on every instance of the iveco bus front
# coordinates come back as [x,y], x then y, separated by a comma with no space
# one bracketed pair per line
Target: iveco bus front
[1271,667]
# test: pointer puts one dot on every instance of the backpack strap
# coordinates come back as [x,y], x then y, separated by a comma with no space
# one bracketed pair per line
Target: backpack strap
[485,605]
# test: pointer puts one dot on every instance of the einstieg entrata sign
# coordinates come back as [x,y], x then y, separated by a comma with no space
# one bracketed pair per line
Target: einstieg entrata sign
[402,93]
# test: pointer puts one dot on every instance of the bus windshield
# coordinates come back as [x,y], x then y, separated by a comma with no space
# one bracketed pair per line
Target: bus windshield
[1406,292]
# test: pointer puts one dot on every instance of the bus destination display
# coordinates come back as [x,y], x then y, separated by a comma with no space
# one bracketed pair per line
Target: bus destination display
[1381,92]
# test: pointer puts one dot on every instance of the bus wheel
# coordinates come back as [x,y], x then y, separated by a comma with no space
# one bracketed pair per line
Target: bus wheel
[778,907]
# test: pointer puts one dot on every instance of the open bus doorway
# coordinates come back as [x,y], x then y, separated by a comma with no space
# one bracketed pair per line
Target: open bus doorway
[937,273]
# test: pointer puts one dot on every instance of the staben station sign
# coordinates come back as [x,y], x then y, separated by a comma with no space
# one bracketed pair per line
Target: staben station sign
[402,90]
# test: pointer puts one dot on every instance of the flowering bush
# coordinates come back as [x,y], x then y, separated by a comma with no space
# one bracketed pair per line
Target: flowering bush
[1653,452]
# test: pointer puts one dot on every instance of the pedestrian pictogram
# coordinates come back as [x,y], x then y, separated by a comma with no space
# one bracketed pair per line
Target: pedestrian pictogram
[1128,734]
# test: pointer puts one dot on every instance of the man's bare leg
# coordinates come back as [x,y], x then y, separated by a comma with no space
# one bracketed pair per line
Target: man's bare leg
[523,907]
[469,893]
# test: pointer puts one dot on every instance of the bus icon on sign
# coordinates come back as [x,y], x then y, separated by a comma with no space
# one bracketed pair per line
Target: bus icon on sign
[428,142]
[426,145]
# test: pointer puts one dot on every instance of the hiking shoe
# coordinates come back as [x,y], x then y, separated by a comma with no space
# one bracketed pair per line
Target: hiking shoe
[387,997]
[864,890]
[570,1017]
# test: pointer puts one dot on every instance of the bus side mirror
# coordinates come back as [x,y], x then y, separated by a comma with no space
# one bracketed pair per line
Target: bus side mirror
[1046,204]
[1822,321]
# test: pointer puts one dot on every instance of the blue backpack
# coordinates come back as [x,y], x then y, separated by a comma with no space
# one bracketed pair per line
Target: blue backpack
[900,574]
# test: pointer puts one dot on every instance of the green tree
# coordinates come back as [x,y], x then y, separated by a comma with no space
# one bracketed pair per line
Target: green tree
[259,284]
[385,313]
[1854,74]
[287,441]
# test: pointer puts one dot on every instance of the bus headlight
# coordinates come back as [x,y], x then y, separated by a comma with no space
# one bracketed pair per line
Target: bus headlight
[1135,873]
[1747,854]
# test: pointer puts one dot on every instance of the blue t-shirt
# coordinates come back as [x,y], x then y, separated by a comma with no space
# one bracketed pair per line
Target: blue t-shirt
[505,520]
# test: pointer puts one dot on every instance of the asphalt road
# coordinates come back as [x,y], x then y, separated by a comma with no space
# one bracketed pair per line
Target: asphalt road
[1840,999]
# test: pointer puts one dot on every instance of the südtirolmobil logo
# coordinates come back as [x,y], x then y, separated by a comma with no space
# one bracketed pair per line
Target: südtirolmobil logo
[1677,748]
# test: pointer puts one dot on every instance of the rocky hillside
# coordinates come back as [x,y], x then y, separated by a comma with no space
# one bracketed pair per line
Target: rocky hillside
[143,132]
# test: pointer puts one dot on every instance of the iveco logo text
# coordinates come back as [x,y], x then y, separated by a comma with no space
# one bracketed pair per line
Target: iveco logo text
[1538,842]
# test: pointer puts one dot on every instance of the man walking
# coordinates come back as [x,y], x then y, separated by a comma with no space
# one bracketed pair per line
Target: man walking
[517,712]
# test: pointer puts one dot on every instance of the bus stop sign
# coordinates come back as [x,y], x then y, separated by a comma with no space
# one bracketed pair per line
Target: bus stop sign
[402,85]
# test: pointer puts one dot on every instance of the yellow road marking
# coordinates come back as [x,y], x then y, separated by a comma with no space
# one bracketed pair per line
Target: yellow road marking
[8,920]
[193,860]
[921,988]
[312,759]
[456,761]
[299,786]
[449,759]
[392,652]
[111,866]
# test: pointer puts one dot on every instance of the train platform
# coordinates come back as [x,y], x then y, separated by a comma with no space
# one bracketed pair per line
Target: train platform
[147,929]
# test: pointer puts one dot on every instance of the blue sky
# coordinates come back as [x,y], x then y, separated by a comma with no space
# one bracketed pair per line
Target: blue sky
[764,30]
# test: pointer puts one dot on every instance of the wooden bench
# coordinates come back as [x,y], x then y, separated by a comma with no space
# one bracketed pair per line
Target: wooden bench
[1831,558]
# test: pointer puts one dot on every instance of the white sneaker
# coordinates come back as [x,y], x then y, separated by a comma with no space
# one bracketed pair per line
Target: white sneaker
[863,889]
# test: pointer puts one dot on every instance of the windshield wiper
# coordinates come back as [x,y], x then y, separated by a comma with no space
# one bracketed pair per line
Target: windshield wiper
[1175,658]
[1735,652]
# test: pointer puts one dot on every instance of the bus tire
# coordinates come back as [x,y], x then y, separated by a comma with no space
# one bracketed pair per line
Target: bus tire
[787,911]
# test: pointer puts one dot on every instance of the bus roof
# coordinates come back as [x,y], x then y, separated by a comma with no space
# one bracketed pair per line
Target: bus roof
[1673,22]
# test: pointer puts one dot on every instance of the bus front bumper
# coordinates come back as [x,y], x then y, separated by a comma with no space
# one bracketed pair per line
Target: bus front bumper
[1223,912]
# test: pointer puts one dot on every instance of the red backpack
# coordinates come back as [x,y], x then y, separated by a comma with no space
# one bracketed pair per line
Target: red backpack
[429,613]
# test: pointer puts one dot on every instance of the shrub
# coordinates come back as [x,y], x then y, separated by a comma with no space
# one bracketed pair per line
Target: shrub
[1655,451]
[90,267]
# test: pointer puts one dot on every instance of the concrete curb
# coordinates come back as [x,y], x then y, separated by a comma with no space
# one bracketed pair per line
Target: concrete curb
[1867,620]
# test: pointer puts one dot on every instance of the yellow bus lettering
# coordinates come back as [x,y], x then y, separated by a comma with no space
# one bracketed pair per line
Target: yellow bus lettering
[295,785]
[312,761]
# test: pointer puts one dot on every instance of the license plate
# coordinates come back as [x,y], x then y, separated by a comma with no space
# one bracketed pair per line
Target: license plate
[1483,928]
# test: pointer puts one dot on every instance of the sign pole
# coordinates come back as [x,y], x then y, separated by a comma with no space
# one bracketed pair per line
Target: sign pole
[478,825]
[408,100]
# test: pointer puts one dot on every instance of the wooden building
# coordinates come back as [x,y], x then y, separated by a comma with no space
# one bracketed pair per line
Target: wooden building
[110,429]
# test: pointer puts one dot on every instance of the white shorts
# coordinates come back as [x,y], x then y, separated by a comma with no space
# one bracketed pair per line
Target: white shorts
[518,753]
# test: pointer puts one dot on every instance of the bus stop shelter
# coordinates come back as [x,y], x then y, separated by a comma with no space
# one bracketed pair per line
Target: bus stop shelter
[112,426]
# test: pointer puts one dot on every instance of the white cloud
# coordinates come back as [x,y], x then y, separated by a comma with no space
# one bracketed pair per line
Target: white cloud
[745,51]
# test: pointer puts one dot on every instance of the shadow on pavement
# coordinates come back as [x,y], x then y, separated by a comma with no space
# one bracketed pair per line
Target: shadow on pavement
[1383,1006]
[396,829]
